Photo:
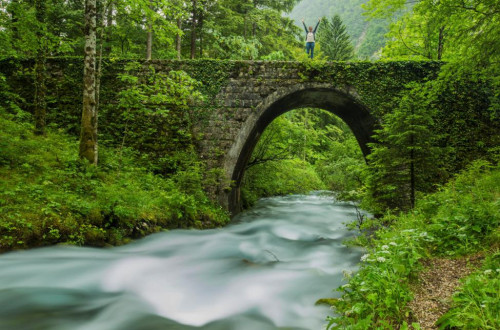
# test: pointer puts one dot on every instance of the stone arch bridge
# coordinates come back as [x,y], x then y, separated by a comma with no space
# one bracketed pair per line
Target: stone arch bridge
[243,97]
[252,94]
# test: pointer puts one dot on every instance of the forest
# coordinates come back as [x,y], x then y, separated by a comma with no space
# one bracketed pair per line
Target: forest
[431,183]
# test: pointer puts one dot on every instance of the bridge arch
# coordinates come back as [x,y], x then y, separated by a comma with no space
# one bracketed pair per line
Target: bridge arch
[344,103]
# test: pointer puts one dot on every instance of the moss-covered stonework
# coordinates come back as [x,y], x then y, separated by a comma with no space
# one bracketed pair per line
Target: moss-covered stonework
[241,99]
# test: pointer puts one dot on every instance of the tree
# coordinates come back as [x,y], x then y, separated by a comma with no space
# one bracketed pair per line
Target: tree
[149,43]
[464,33]
[88,135]
[335,42]
[178,40]
[194,19]
[40,102]
[419,34]
[405,159]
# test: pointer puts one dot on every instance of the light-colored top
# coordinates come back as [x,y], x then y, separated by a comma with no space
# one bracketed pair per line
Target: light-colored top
[310,37]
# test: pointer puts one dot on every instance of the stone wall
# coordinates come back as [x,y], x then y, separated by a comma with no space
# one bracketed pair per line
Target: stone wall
[241,100]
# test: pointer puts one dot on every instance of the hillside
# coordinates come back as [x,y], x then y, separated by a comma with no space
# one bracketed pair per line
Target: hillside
[367,36]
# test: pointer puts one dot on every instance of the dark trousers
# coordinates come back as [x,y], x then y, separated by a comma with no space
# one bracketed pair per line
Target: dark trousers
[310,47]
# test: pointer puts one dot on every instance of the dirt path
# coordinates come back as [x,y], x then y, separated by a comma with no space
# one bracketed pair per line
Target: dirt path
[437,284]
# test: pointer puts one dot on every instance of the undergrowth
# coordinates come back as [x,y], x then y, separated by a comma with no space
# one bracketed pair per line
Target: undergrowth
[462,218]
[49,196]
[476,305]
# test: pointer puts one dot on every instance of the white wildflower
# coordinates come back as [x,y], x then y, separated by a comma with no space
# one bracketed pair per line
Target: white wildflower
[385,247]
[365,257]
[393,244]
[385,251]
[381,259]
[498,270]
[488,271]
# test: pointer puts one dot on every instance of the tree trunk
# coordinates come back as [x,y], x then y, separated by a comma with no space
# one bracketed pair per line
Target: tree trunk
[102,27]
[254,25]
[245,26]
[109,25]
[14,20]
[200,27]
[178,39]
[149,42]
[40,70]
[193,30]
[441,43]
[88,135]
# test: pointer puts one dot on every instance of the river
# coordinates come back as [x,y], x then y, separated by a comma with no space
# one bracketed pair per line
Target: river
[264,271]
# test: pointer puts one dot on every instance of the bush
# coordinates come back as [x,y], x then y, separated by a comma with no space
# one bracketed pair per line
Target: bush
[49,196]
[378,294]
[279,178]
[465,212]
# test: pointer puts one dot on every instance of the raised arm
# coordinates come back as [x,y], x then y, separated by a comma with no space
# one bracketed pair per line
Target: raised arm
[317,24]
[305,27]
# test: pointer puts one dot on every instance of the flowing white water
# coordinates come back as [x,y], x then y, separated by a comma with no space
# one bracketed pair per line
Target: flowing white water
[265,271]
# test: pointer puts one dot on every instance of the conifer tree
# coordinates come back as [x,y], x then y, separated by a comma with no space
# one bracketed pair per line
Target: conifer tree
[335,42]
[405,159]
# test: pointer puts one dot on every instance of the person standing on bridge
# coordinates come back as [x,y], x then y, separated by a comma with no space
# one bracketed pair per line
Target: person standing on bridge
[310,37]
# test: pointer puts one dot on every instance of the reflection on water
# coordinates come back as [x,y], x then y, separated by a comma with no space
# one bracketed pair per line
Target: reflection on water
[265,271]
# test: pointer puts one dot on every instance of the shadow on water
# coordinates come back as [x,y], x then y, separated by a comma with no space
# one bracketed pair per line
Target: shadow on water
[264,271]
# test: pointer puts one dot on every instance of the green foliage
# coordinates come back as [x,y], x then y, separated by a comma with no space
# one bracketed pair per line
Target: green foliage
[438,127]
[205,28]
[336,44]
[405,160]
[476,305]
[291,176]
[155,115]
[367,36]
[249,29]
[8,99]
[304,150]
[62,29]
[465,212]
[237,48]
[49,196]
[461,218]
[342,168]
[466,34]
[376,297]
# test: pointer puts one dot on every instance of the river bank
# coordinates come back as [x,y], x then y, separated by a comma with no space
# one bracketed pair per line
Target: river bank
[460,220]
[49,196]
